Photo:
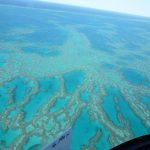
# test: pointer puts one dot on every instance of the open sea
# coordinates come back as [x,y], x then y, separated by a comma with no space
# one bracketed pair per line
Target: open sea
[88,70]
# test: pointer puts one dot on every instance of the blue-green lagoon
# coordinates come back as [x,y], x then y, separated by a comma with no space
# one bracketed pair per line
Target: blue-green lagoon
[61,68]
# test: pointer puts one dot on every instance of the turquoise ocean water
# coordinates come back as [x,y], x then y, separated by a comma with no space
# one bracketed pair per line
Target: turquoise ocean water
[62,69]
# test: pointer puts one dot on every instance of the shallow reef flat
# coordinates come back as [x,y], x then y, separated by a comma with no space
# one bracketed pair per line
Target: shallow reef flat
[62,69]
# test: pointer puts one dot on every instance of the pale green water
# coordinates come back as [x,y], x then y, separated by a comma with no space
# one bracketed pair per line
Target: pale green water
[62,69]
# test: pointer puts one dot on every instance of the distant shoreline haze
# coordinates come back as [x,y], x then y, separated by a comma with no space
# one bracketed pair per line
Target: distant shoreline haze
[62,7]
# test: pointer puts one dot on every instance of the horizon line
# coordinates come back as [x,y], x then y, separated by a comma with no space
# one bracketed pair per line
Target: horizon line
[13,2]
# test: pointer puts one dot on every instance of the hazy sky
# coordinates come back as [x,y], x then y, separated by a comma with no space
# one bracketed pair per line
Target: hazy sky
[137,7]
